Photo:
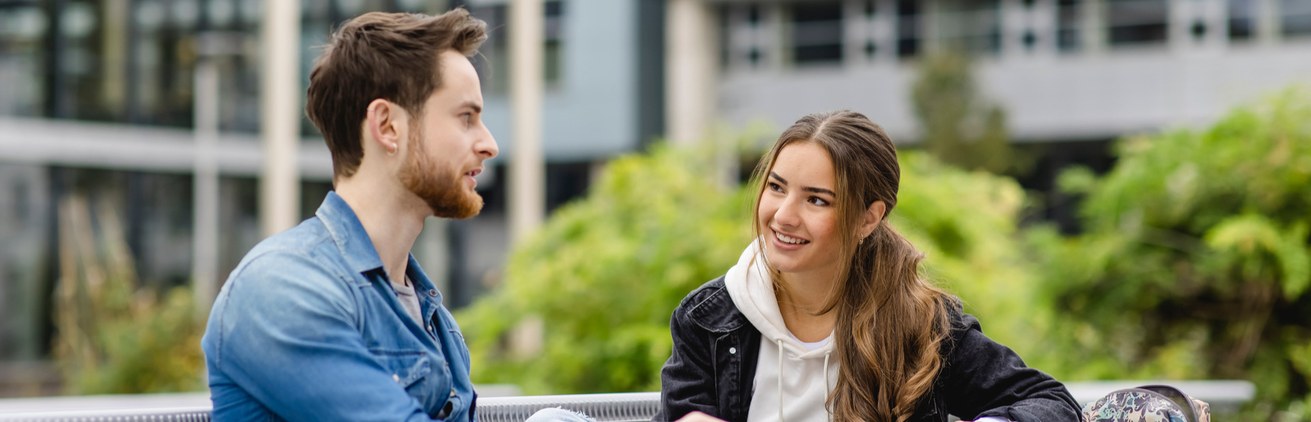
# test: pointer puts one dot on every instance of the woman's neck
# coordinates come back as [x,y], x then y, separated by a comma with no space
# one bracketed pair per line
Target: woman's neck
[800,302]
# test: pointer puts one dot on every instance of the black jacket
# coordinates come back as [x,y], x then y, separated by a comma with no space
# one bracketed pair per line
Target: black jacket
[713,365]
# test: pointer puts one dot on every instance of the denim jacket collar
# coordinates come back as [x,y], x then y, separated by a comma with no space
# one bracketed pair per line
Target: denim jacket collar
[357,249]
[348,233]
[716,312]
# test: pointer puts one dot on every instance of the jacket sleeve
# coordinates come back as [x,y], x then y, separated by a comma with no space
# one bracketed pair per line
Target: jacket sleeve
[985,378]
[687,381]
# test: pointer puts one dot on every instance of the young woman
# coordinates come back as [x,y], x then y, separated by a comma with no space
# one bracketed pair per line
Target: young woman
[826,317]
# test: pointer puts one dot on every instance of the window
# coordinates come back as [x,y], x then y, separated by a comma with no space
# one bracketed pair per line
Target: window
[971,26]
[816,32]
[494,66]
[742,43]
[1137,22]
[1069,15]
[1242,19]
[493,59]
[908,28]
[21,77]
[553,53]
[1295,18]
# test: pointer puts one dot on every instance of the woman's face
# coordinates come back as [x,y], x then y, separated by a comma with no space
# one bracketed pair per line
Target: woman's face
[798,213]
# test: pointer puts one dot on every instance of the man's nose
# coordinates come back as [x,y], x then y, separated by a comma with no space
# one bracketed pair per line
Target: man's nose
[487,147]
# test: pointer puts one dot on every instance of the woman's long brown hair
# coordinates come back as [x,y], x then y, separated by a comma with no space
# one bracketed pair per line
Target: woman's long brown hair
[890,322]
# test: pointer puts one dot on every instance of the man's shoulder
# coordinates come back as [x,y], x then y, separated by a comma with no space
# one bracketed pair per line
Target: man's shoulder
[304,238]
[305,250]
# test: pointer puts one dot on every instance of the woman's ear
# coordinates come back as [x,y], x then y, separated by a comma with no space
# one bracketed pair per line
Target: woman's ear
[384,123]
[871,218]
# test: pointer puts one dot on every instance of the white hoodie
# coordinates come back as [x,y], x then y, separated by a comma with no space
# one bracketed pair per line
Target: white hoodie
[793,379]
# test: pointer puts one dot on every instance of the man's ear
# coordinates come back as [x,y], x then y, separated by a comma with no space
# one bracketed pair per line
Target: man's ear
[385,123]
[871,218]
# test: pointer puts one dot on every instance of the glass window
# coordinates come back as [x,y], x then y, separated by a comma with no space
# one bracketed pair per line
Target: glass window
[1242,19]
[740,43]
[1069,16]
[1137,22]
[908,28]
[493,66]
[221,13]
[816,32]
[553,53]
[1295,18]
[21,75]
[971,26]
[493,63]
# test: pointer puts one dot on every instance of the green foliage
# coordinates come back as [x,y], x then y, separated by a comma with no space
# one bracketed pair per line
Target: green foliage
[115,336]
[1198,241]
[956,124]
[966,224]
[606,272]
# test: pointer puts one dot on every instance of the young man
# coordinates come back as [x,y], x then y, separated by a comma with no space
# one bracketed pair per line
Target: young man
[334,319]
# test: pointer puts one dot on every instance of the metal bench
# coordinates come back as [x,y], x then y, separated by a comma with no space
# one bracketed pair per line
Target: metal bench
[1224,397]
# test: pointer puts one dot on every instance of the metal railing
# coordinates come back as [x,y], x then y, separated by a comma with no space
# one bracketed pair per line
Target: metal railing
[1224,396]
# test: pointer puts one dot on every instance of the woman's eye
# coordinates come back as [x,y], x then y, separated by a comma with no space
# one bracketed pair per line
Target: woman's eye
[818,201]
[774,187]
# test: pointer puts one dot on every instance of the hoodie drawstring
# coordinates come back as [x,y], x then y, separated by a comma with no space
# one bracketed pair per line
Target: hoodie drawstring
[830,414]
[780,379]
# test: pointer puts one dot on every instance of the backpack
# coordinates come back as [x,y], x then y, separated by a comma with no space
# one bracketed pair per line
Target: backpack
[1147,403]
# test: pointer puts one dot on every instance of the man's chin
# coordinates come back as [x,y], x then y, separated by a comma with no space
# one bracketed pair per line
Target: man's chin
[465,209]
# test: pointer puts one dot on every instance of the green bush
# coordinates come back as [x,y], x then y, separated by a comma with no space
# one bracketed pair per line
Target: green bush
[115,335]
[1196,259]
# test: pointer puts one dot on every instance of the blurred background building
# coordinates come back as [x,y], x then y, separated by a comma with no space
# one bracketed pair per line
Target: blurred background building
[99,98]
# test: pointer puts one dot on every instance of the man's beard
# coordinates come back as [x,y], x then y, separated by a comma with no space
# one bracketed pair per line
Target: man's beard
[444,194]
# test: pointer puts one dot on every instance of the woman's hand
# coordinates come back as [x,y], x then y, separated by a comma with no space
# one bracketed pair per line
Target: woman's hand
[699,417]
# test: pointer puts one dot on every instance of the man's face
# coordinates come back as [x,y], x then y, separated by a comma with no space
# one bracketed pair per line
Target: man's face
[448,142]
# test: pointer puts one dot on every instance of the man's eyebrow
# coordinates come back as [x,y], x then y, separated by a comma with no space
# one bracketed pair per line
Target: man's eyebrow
[807,188]
[477,108]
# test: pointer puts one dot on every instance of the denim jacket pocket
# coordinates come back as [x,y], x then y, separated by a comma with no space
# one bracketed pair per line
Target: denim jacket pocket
[407,368]
[412,371]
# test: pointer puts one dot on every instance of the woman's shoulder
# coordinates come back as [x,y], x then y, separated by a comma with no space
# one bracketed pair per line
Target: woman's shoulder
[711,308]
[957,319]
[960,324]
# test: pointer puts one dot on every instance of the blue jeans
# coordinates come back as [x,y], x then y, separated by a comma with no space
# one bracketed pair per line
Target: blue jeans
[556,414]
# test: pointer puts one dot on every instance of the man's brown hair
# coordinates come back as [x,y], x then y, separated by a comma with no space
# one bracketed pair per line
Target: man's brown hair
[392,56]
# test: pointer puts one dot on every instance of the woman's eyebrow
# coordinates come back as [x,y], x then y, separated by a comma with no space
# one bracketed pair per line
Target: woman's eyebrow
[806,188]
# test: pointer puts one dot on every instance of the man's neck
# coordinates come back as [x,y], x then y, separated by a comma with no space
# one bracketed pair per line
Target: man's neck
[391,216]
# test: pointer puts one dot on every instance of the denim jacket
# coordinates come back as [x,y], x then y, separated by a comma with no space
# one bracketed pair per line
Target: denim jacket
[713,364]
[308,327]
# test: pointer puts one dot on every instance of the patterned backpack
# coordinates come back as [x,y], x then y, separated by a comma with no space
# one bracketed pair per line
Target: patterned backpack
[1148,403]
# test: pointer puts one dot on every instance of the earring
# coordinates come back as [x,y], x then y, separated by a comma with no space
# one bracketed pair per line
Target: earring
[391,149]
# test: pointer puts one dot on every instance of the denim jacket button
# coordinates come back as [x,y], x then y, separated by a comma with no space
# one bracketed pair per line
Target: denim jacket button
[732,350]
[432,293]
[395,377]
